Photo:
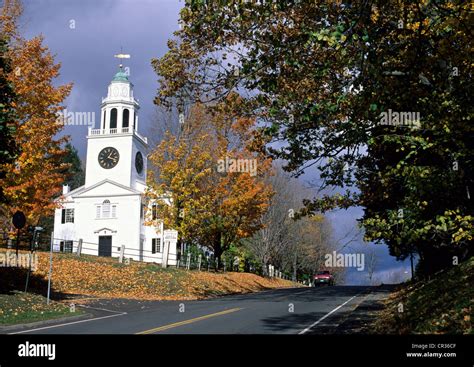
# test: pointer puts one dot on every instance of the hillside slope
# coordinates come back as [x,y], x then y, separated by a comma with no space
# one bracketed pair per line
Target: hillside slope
[105,277]
[442,305]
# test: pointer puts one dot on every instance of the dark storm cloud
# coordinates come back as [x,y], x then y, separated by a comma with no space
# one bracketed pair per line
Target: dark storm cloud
[85,35]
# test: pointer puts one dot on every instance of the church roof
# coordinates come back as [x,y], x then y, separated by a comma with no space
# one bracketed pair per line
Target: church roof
[125,189]
[121,76]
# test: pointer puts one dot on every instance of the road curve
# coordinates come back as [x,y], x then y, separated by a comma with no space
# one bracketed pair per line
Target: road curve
[282,311]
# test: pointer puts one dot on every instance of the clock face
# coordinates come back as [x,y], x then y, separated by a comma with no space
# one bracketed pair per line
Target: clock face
[108,157]
[124,92]
[139,162]
[115,91]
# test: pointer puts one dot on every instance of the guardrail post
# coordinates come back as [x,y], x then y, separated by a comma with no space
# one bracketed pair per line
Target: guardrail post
[208,263]
[188,262]
[199,261]
[122,252]
[79,247]
[224,265]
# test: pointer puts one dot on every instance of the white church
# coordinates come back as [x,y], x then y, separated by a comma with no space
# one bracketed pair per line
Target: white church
[108,212]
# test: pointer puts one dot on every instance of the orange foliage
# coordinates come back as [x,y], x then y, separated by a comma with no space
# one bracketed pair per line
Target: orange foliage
[34,180]
[211,204]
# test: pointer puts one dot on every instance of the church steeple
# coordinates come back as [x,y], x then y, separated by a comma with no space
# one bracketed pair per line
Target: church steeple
[115,149]
[119,110]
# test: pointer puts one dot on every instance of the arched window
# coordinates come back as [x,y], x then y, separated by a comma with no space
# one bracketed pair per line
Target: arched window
[113,118]
[126,114]
[106,209]
[103,123]
[133,122]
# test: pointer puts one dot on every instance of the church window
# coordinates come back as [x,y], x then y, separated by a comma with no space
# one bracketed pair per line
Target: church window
[106,209]
[113,118]
[67,216]
[66,246]
[126,115]
[105,116]
[155,245]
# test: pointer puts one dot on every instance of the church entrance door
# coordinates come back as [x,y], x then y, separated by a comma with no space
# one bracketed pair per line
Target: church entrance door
[105,246]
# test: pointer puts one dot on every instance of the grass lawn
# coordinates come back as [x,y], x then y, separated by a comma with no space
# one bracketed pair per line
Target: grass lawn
[19,307]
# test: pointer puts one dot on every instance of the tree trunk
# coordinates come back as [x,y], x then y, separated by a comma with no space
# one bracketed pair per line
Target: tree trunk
[294,267]
[264,268]
[218,252]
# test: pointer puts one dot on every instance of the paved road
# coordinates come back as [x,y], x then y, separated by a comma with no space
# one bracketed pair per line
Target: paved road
[283,311]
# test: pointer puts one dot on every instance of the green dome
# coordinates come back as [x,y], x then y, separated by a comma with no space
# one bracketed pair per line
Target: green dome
[120,77]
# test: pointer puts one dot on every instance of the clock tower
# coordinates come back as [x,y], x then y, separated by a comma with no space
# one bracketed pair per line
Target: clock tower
[115,150]
[109,212]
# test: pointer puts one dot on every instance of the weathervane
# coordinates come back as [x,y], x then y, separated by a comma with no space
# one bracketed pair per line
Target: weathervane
[121,55]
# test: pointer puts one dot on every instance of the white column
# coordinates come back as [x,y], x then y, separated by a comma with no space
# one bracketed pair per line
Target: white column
[107,118]
[101,122]
[120,119]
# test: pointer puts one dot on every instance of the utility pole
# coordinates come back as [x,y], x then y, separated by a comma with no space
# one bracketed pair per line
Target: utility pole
[50,267]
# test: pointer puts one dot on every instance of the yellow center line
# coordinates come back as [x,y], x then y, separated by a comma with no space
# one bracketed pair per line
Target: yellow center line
[186,322]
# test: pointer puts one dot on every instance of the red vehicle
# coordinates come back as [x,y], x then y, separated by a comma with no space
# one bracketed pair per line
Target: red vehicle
[323,277]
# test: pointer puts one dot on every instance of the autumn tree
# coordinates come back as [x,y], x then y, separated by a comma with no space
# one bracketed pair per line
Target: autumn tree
[7,96]
[74,177]
[209,203]
[321,76]
[295,246]
[269,242]
[312,241]
[34,179]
